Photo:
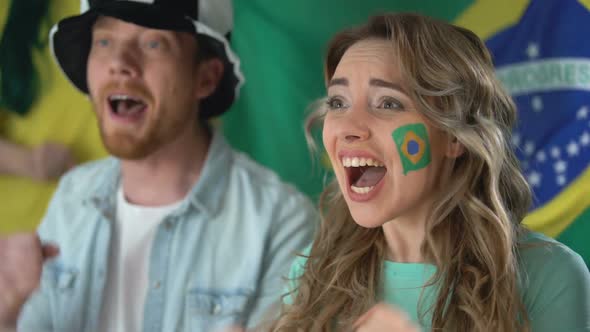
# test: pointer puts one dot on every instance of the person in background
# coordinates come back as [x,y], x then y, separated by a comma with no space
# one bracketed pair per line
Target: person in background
[421,228]
[46,127]
[176,231]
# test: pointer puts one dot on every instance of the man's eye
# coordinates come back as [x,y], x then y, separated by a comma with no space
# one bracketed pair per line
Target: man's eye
[103,42]
[153,44]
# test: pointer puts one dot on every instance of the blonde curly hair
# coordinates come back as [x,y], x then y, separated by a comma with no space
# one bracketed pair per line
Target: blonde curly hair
[472,234]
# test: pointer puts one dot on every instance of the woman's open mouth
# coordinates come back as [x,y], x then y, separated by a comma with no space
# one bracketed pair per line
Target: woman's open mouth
[363,173]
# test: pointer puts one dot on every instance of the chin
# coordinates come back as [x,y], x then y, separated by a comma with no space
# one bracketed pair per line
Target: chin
[367,221]
[127,147]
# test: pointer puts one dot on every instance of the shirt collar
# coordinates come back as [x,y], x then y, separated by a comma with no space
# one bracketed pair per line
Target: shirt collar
[206,195]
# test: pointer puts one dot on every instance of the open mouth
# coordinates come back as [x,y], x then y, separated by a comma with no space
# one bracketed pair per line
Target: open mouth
[126,106]
[363,173]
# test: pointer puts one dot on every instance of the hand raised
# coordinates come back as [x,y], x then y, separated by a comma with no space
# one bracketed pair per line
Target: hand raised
[21,263]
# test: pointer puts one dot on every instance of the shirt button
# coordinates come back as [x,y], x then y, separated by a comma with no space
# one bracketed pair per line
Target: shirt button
[156,285]
[216,309]
[168,225]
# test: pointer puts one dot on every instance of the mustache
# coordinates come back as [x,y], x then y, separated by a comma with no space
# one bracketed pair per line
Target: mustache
[134,89]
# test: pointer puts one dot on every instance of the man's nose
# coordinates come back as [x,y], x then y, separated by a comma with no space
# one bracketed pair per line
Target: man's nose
[125,62]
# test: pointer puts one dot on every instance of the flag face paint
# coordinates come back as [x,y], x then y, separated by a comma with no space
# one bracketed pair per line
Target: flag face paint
[413,146]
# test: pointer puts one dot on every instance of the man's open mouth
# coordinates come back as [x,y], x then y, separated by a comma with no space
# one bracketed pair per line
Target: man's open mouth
[126,106]
[363,173]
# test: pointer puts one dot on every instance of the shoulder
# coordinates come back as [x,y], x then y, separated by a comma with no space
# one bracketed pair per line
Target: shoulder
[68,206]
[296,272]
[298,265]
[265,185]
[256,173]
[86,177]
[539,253]
[555,284]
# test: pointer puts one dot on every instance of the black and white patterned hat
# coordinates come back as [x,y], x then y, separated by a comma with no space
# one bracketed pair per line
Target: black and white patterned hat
[70,39]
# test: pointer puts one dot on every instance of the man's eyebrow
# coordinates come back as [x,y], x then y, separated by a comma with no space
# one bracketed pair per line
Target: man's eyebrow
[386,84]
[338,81]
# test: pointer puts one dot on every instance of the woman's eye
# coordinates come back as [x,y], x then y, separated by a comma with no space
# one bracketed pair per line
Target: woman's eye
[391,103]
[335,103]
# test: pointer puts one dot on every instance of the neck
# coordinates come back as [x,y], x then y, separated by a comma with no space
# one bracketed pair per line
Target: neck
[168,174]
[405,235]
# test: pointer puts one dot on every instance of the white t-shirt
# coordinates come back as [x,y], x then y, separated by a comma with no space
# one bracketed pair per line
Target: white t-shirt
[127,280]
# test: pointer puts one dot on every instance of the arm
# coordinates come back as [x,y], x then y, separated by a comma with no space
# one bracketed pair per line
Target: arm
[44,162]
[22,257]
[15,159]
[558,296]
[36,313]
[293,231]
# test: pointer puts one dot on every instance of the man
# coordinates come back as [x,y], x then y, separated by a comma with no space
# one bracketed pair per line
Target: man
[178,232]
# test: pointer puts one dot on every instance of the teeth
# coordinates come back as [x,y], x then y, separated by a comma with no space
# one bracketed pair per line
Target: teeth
[119,97]
[360,161]
[362,190]
[122,97]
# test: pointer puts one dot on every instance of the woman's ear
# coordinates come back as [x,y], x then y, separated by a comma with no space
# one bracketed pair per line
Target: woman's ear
[454,148]
[209,73]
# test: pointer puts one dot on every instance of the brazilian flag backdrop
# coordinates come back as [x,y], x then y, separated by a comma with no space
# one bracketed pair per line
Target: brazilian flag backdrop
[542,56]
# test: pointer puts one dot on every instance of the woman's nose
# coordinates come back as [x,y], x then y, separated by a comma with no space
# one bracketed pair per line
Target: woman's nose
[354,126]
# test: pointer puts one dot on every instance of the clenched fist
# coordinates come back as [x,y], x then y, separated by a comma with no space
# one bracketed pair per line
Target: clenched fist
[21,263]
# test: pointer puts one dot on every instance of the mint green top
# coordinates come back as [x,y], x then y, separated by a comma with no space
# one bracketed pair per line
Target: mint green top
[555,287]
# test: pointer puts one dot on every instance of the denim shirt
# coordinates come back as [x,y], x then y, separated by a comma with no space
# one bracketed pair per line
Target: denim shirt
[219,259]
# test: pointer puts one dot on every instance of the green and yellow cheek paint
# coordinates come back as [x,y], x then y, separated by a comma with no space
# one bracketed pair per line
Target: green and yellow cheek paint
[413,146]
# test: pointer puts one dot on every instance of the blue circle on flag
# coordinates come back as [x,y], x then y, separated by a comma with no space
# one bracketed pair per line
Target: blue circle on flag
[413,147]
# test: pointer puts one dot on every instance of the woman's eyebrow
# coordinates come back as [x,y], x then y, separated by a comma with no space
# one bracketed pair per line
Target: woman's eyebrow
[385,84]
[338,81]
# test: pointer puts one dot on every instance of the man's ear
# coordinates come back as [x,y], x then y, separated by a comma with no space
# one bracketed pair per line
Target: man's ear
[454,148]
[209,73]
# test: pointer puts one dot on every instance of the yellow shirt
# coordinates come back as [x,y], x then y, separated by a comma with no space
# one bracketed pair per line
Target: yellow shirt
[60,114]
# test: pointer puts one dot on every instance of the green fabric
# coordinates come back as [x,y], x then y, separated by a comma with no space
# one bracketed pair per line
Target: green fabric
[19,81]
[555,288]
[404,285]
[576,235]
[281,46]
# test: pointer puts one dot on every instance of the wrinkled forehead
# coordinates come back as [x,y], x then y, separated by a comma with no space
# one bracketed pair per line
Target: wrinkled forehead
[379,49]
[376,55]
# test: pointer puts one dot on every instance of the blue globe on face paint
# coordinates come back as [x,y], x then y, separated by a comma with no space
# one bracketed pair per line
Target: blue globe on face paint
[413,147]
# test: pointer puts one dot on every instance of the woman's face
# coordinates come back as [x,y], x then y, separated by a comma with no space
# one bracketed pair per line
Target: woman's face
[386,157]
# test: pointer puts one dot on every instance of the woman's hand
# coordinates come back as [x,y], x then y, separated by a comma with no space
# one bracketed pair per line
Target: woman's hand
[386,318]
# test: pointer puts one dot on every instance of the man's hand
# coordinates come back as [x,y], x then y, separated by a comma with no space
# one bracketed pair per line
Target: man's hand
[21,263]
[384,318]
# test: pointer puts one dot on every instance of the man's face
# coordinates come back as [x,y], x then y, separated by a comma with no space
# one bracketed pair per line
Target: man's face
[143,84]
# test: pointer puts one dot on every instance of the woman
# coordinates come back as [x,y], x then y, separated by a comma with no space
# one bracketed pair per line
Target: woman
[421,228]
